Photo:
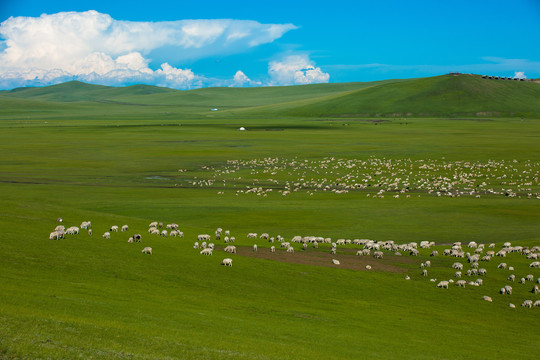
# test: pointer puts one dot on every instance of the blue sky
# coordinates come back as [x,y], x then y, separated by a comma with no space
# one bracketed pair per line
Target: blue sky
[263,43]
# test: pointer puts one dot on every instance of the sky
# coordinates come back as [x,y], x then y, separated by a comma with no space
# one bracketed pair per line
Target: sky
[192,44]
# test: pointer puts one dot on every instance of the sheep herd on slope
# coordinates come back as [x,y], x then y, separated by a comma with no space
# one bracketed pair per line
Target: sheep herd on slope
[469,256]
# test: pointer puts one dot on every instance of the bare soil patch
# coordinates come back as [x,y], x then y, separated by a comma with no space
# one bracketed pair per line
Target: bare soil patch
[346,257]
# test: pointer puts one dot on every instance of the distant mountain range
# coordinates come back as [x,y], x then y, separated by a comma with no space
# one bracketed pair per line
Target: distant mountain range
[453,95]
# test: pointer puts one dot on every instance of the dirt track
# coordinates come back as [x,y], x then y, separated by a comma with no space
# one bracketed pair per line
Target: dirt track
[346,257]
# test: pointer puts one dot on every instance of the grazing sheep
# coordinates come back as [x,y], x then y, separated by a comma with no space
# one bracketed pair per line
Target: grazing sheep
[137,237]
[479,282]
[368,267]
[535,289]
[272,249]
[196,245]
[114,228]
[522,281]
[254,247]
[535,264]
[434,253]
[147,250]
[428,263]
[461,283]
[130,240]
[536,303]
[232,239]
[502,266]
[512,306]
[487,298]
[86,225]
[290,249]
[407,277]
[512,277]
[153,224]
[207,251]
[125,228]
[90,232]
[457,274]
[226,262]
[378,254]
[457,266]
[335,262]
[203,237]
[264,236]
[72,230]
[424,272]
[443,284]
[527,303]
[59,219]
[106,235]
[163,233]
[333,251]
[230,249]
[482,271]
[529,278]
[60,228]
[55,235]
[252,235]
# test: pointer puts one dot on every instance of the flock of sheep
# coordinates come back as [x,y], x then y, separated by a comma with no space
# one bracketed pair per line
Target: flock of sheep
[472,255]
[378,177]
[478,256]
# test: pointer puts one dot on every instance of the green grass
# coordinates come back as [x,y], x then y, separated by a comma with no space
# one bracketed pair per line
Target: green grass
[115,164]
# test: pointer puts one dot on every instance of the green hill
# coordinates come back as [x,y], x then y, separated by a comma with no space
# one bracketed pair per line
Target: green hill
[441,96]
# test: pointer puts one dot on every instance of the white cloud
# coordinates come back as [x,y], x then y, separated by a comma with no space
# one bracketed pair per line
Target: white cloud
[296,70]
[241,80]
[91,45]
[519,75]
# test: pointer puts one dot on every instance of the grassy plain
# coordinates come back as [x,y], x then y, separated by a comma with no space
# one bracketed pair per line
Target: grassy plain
[89,156]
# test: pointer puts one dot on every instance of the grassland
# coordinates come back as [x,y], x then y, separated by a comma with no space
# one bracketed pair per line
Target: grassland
[113,156]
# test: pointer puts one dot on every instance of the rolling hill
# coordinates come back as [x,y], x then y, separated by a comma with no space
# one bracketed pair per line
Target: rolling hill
[446,96]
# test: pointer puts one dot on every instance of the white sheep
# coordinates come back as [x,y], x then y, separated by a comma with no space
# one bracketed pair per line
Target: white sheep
[230,249]
[125,228]
[535,289]
[252,235]
[487,298]
[106,235]
[272,249]
[226,262]
[461,283]
[535,264]
[207,251]
[203,237]
[90,232]
[114,228]
[163,233]
[368,267]
[195,245]
[537,303]
[457,274]
[502,266]
[527,303]
[458,266]
[254,247]
[335,262]
[512,277]
[443,284]
[130,240]
[424,272]
[290,249]
[147,250]
[529,277]
[512,306]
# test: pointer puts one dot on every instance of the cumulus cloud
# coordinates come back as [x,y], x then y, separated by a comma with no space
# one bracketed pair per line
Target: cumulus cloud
[94,46]
[241,80]
[296,70]
[519,75]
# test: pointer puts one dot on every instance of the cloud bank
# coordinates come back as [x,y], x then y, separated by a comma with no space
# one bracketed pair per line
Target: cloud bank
[296,70]
[93,47]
